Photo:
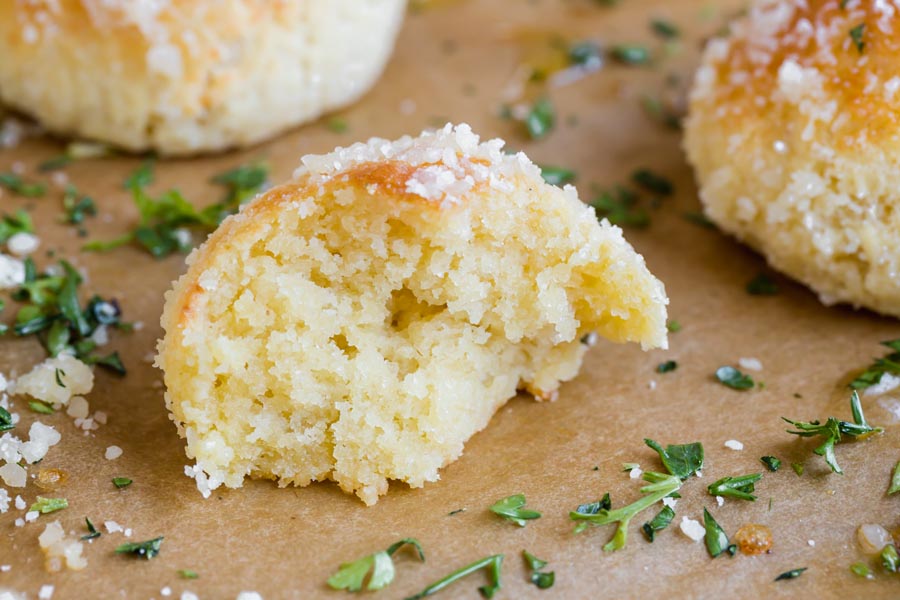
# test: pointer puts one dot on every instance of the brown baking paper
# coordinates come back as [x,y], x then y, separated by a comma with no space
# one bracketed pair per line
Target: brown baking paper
[453,62]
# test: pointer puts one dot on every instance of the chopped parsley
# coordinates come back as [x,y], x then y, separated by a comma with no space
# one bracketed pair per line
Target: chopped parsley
[491,563]
[92,531]
[6,421]
[662,520]
[52,311]
[833,429]
[792,574]
[856,35]
[54,164]
[121,482]
[165,221]
[542,580]
[630,54]
[49,505]
[740,488]
[557,175]
[664,29]
[681,460]
[141,176]
[17,185]
[147,549]
[77,207]
[772,463]
[666,367]
[890,560]
[585,54]
[592,508]
[798,468]
[512,509]
[673,326]
[698,218]
[351,576]
[40,407]
[762,285]
[620,207]
[715,538]
[59,374]
[895,478]
[661,113]
[660,486]
[187,574]
[889,363]
[540,119]
[18,222]
[861,570]
[337,125]
[652,182]
[733,378]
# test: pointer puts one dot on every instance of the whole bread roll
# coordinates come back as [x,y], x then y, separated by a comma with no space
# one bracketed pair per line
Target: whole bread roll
[189,76]
[794,133]
[362,321]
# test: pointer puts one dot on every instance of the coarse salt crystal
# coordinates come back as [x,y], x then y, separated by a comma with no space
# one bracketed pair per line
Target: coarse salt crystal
[635,473]
[23,243]
[189,596]
[12,272]
[166,591]
[20,522]
[4,500]
[113,452]
[734,445]
[20,503]
[100,417]
[78,408]
[5,568]
[720,500]
[128,532]
[249,596]
[31,516]
[670,502]
[46,592]
[750,364]
[887,383]
[112,527]
[812,543]
[692,529]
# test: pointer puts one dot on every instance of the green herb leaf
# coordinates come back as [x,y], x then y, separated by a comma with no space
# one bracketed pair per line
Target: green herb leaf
[187,574]
[92,531]
[715,538]
[111,362]
[592,508]
[772,463]
[856,35]
[861,570]
[833,429]
[541,580]
[680,460]
[557,175]
[664,29]
[762,285]
[242,183]
[895,478]
[121,482]
[734,379]
[17,185]
[792,574]
[740,488]
[798,468]
[620,207]
[147,549]
[662,520]
[141,177]
[351,576]
[18,222]
[337,125]
[49,505]
[673,326]
[888,364]
[586,54]
[40,407]
[661,112]
[55,163]
[77,207]
[491,563]
[652,182]
[630,54]
[660,487]
[511,508]
[666,367]
[890,560]
[6,421]
[699,219]
[540,119]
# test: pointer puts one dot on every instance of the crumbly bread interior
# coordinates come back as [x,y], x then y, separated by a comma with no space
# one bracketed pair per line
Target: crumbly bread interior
[361,322]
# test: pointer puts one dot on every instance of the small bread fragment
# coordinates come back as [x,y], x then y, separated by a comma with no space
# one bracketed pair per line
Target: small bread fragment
[794,134]
[362,321]
[189,76]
